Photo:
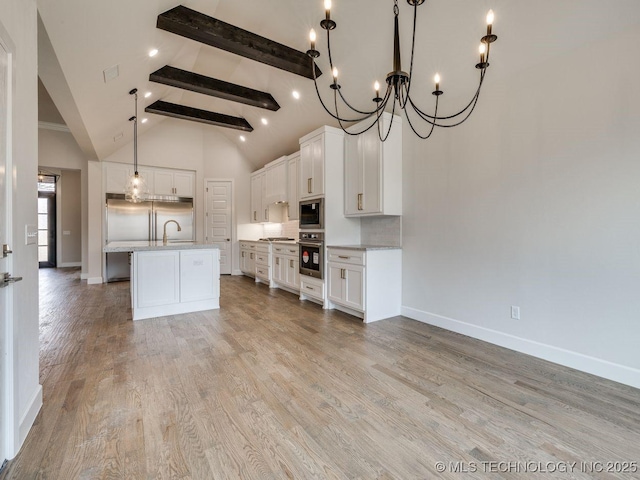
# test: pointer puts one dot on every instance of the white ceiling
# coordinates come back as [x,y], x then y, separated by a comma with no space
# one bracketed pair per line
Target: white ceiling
[83,38]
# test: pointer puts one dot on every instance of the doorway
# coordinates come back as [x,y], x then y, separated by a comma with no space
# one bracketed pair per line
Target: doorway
[47,221]
[219,220]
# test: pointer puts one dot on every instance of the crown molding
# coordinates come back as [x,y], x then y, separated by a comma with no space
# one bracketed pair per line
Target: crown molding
[58,127]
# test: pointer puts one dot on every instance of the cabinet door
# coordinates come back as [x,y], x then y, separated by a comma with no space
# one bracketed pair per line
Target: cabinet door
[306,170]
[163,181]
[293,182]
[371,172]
[279,273]
[183,184]
[317,183]
[276,182]
[199,275]
[352,175]
[293,273]
[353,293]
[157,278]
[263,214]
[116,177]
[256,198]
[336,283]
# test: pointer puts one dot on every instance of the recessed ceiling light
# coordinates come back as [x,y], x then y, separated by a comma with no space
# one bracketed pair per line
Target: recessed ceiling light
[242,138]
[265,121]
[153,53]
[144,120]
[296,94]
[147,95]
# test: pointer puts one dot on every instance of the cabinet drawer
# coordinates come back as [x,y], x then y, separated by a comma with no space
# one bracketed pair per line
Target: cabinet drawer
[247,245]
[262,247]
[351,257]
[263,272]
[311,288]
[291,251]
[262,259]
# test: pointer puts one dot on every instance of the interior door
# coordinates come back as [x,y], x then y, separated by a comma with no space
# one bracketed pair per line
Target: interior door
[218,221]
[5,262]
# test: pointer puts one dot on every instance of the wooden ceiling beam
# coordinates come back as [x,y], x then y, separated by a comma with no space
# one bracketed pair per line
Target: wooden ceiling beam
[208,30]
[197,115]
[195,82]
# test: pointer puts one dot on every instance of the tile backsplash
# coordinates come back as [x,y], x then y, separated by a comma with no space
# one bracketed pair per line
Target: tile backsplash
[287,229]
[381,231]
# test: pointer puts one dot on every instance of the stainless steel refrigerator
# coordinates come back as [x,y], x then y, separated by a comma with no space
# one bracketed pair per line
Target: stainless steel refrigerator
[143,221]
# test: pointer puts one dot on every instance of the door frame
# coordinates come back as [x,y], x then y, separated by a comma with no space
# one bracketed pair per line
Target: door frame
[9,432]
[234,227]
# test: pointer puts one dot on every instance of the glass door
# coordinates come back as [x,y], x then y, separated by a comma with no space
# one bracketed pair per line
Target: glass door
[47,223]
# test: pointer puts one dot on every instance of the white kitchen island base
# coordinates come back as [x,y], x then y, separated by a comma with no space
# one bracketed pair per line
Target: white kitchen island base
[170,282]
[171,278]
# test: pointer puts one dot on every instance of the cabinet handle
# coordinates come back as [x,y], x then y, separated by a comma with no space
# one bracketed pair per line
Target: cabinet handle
[310,288]
[343,274]
[344,257]
[309,190]
[360,202]
[266,213]
[251,257]
[277,261]
[242,254]
[255,215]
[290,263]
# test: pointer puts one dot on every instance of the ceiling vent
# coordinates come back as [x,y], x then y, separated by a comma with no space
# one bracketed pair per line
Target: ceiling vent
[111,73]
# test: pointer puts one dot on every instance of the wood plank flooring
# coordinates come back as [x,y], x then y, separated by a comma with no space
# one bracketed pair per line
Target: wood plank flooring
[269,387]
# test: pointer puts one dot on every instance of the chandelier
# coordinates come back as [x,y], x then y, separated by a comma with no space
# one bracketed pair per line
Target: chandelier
[398,90]
[135,190]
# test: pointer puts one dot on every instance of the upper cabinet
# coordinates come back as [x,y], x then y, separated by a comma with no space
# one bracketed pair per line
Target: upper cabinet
[292,186]
[276,181]
[258,212]
[160,181]
[174,182]
[373,171]
[314,151]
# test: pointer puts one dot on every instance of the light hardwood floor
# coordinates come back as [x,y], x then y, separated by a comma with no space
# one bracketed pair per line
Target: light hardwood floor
[269,387]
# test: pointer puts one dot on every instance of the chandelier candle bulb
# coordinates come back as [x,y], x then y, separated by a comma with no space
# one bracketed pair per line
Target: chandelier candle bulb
[436,79]
[490,17]
[327,8]
[482,49]
[312,37]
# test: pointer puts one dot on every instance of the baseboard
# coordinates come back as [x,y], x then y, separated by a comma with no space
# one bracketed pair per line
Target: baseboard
[84,276]
[94,280]
[596,366]
[29,417]
[237,272]
[70,264]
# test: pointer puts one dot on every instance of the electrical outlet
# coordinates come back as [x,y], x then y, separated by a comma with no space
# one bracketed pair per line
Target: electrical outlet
[515,312]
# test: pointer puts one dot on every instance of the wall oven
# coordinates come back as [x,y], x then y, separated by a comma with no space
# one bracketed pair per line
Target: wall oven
[312,214]
[312,254]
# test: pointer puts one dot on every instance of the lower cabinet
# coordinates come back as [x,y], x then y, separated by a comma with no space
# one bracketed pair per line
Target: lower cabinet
[286,266]
[365,282]
[169,282]
[248,258]
[263,263]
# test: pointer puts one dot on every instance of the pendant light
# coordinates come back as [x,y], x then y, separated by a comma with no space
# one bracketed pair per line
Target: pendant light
[136,190]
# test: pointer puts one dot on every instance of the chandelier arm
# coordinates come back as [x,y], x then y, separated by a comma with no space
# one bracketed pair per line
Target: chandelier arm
[453,124]
[474,99]
[340,120]
[335,116]
[372,112]
[378,122]
[433,124]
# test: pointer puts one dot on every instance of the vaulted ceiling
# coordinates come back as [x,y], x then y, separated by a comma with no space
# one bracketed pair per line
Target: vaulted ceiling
[79,39]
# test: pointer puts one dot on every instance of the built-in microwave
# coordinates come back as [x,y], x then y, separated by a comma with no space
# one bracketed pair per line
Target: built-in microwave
[312,214]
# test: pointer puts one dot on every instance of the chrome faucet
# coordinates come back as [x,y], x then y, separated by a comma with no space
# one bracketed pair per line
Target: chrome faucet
[164,236]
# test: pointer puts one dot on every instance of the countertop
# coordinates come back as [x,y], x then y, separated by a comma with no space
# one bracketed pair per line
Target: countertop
[144,246]
[364,248]
[284,242]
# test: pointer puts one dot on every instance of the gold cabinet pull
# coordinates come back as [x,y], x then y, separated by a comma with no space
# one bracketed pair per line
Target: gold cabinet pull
[360,207]
[309,189]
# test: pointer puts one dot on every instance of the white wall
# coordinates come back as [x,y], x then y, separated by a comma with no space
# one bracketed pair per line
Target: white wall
[57,149]
[184,145]
[18,17]
[534,203]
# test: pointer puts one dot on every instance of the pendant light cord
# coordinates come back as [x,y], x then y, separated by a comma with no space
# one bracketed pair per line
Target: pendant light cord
[134,119]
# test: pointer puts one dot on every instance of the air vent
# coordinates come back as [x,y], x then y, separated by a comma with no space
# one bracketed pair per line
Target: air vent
[111,73]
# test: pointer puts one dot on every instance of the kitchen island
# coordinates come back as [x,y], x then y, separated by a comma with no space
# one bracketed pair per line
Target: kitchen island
[173,278]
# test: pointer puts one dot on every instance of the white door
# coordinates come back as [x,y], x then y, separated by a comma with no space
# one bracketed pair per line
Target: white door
[218,221]
[5,262]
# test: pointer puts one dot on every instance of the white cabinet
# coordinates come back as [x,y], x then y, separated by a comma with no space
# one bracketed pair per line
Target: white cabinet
[169,282]
[116,176]
[365,282]
[315,148]
[293,181]
[263,263]
[257,181]
[248,258]
[286,266]
[160,181]
[311,288]
[373,171]
[170,182]
[276,181]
